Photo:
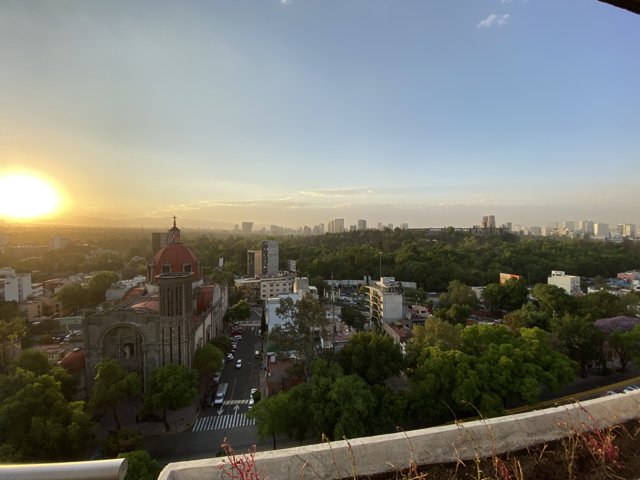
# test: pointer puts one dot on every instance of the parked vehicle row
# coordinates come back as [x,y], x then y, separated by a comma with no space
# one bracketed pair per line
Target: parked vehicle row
[629,389]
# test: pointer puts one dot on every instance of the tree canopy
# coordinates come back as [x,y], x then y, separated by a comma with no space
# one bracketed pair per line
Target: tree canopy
[112,384]
[171,387]
[305,324]
[374,357]
[37,423]
[207,360]
[491,367]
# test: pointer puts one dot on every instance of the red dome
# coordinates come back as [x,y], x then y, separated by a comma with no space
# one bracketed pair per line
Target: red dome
[175,257]
[73,361]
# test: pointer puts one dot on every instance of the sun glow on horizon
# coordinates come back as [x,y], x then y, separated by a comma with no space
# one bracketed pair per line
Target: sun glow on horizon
[25,196]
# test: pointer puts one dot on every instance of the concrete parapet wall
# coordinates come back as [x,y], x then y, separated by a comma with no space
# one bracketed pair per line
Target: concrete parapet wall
[449,443]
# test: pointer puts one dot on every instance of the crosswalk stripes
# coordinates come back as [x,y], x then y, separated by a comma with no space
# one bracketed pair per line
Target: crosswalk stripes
[218,422]
[236,402]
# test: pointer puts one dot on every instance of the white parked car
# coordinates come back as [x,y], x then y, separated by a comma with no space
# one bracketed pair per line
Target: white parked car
[631,388]
[251,399]
[239,363]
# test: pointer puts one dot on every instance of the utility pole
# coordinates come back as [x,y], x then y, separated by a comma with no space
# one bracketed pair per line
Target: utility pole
[333,315]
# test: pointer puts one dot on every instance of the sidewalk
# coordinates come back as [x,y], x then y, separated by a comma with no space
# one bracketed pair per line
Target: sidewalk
[178,420]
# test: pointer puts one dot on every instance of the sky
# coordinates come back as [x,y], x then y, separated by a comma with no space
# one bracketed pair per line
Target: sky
[295,112]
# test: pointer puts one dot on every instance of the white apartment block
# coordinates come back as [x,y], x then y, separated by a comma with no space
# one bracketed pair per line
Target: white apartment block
[265,287]
[362,224]
[569,283]
[385,300]
[271,287]
[14,287]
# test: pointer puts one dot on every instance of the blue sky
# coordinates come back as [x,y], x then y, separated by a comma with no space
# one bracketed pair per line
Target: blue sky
[429,112]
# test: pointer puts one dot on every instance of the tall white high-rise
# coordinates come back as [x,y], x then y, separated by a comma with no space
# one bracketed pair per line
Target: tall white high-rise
[270,257]
[601,230]
[629,230]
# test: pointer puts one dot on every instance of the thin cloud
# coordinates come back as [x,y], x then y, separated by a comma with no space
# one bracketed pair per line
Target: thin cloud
[335,193]
[209,204]
[494,20]
[285,2]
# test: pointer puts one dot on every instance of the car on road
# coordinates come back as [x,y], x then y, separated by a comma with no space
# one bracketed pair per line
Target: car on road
[216,377]
[237,338]
[631,388]
[251,399]
[239,363]
[229,357]
[218,399]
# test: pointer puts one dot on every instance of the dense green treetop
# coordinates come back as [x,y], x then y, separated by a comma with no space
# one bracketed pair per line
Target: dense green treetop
[373,356]
[112,385]
[38,363]
[626,344]
[511,295]
[305,322]
[99,284]
[11,330]
[238,312]
[140,465]
[172,386]
[37,422]
[491,367]
[579,337]
[272,416]
[207,360]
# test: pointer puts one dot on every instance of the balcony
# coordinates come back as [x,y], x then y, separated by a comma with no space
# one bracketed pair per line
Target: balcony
[445,444]
[363,457]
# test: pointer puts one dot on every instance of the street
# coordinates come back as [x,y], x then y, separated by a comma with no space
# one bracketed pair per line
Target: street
[214,424]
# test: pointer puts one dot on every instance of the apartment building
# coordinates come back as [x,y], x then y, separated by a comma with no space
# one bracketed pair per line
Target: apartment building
[569,283]
[270,257]
[385,300]
[14,287]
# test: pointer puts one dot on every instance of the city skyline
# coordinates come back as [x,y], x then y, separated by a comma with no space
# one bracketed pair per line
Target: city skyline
[296,112]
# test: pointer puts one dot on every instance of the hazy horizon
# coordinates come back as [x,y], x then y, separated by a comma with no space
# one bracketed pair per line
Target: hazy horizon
[296,112]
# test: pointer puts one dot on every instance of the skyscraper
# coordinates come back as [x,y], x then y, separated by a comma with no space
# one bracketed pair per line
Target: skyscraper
[489,221]
[254,263]
[270,257]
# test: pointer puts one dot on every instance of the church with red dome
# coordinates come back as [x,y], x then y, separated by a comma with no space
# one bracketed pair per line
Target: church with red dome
[162,322]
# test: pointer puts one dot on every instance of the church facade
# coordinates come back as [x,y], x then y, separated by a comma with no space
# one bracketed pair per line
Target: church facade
[161,322]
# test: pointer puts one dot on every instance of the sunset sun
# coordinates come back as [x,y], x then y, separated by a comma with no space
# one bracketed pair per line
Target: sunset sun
[28,196]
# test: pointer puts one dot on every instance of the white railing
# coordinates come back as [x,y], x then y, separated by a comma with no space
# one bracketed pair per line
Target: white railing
[115,469]
[444,444]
